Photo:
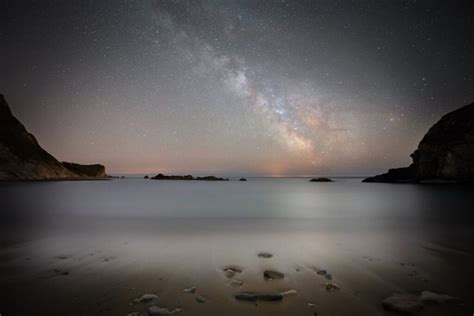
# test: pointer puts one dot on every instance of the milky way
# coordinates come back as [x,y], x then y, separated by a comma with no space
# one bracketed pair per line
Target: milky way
[236,87]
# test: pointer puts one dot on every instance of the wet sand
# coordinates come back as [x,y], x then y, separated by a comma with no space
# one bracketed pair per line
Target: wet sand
[100,268]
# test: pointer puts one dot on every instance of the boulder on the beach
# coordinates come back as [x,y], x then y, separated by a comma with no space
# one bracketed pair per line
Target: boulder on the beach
[271,274]
[253,296]
[402,303]
[265,254]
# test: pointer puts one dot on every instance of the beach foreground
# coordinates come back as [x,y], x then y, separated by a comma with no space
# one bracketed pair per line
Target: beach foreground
[341,265]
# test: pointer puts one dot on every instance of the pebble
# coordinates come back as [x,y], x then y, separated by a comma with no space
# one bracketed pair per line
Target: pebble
[162,311]
[253,297]
[436,298]
[200,299]
[289,292]
[190,290]
[331,287]
[270,274]
[236,282]
[264,254]
[145,298]
[402,303]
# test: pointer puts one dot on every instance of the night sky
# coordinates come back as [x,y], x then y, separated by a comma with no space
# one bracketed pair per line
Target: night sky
[236,87]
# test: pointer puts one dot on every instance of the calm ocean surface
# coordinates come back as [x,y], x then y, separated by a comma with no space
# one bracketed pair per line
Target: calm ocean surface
[443,213]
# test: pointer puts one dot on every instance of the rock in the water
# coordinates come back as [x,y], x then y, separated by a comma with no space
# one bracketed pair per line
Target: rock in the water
[200,299]
[444,155]
[265,254]
[432,297]
[270,274]
[161,176]
[320,179]
[162,311]
[402,303]
[242,179]
[331,287]
[252,296]
[190,290]
[145,298]
[146,177]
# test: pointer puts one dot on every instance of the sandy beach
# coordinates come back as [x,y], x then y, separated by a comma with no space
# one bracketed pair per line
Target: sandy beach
[103,268]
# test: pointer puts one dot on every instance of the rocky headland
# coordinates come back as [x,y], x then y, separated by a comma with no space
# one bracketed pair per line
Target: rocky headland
[22,158]
[444,155]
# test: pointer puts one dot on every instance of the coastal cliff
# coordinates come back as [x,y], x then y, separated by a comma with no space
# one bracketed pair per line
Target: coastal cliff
[445,154]
[22,158]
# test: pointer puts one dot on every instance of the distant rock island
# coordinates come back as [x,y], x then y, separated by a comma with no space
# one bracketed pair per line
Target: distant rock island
[22,158]
[161,176]
[444,155]
[321,179]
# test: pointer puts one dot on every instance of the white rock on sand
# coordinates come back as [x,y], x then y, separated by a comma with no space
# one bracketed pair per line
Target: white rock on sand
[289,292]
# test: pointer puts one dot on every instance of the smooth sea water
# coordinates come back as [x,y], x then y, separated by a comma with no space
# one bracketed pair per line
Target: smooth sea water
[374,238]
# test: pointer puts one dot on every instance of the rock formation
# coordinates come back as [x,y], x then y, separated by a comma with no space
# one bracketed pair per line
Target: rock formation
[22,158]
[321,179]
[91,171]
[161,176]
[445,154]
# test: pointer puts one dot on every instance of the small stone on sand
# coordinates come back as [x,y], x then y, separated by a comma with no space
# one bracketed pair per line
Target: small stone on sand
[145,298]
[402,303]
[236,282]
[436,298]
[322,272]
[289,292]
[331,287]
[230,271]
[270,274]
[251,296]
[162,311]
[200,299]
[190,290]
[264,254]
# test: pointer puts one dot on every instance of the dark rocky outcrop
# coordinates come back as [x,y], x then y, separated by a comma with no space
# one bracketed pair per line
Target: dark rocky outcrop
[188,177]
[320,179]
[22,158]
[444,155]
[242,179]
[92,171]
